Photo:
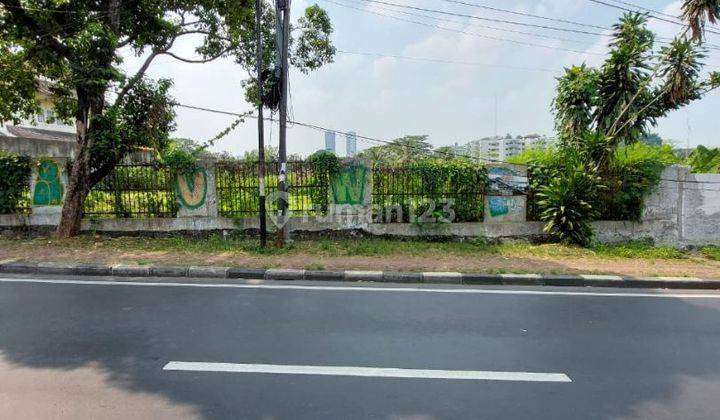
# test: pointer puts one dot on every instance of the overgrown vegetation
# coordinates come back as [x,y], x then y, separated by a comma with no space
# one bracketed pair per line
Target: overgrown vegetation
[568,202]
[601,169]
[703,160]
[14,182]
[434,189]
[324,166]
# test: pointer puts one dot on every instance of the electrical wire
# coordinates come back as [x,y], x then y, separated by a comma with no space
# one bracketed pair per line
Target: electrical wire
[497,9]
[430,25]
[474,24]
[380,141]
[442,61]
[649,15]
[508,22]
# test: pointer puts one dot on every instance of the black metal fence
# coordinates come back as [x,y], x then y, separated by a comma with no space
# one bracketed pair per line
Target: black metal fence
[406,194]
[237,187]
[133,191]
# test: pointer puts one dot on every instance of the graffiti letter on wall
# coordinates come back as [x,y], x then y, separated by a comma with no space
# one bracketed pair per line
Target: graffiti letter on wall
[499,206]
[191,188]
[48,187]
[348,186]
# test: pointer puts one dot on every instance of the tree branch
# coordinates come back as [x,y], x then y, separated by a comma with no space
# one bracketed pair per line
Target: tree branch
[198,61]
[139,75]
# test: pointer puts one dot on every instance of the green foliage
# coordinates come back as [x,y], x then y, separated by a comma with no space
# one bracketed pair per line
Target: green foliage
[634,171]
[399,152]
[619,101]
[410,188]
[14,182]
[711,252]
[142,119]
[638,249]
[324,166]
[18,86]
[704,161]
[568,202]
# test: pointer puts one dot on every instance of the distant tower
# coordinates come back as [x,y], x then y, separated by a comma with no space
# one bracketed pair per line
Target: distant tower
[330,141]
[351,143]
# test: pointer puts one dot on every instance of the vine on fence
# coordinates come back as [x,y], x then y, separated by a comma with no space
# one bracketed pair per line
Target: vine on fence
[325,165]
[14,182]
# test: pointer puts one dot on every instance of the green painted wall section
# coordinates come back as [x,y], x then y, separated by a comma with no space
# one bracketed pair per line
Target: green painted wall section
[48,186]
[348,186]
[191,188]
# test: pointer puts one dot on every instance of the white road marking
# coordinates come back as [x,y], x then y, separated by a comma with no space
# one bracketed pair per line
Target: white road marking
[368,372]
[599,277]
[351,287]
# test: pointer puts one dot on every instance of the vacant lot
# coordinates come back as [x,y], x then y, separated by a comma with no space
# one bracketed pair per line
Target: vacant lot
[633,259]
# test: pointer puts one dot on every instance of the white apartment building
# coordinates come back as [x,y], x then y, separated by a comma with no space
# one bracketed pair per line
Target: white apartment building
[501,148]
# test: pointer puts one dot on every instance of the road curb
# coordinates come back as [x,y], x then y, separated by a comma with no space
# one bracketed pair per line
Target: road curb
[454,278]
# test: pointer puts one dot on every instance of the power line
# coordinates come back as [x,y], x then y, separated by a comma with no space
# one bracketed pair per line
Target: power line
[627,3]
[605,35]
[515,31]
[497,9]
[442,61]
[375,140]
[342,133]
[508,22]
[614,6]
[430,25]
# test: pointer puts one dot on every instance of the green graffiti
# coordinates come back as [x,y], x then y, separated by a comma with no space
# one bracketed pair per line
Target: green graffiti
[191,188]
[348,186]
[48,187]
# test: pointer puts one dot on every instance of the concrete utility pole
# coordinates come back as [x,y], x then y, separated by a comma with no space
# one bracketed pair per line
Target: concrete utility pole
[283,32]
[261,125]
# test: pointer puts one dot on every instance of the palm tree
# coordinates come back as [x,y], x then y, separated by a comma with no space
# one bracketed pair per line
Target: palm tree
[696,12]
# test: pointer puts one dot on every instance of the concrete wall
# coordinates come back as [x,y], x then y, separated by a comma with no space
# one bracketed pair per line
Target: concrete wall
[684,209]
[37,148]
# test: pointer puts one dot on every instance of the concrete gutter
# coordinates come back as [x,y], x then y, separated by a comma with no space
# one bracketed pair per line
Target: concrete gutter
[582,280]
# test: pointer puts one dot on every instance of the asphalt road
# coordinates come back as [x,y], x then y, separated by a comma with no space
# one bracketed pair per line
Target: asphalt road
[176,351]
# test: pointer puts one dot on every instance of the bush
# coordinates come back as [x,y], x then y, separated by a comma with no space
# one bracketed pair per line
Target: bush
[14,182]
[324,166]
[633,172]
[629,176]
[567,204]
[410,188]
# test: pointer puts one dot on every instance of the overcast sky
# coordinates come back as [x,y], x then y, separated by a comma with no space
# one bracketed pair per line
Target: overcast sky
[387,97]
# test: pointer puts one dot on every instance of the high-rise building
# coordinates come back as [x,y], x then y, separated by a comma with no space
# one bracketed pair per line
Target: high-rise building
[351,143]
[330,141]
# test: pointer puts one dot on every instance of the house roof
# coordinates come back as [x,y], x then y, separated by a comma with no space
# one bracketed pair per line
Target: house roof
[40,134]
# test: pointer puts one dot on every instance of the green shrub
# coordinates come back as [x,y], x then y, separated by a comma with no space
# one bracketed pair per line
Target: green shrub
[711,252]
[567,204]
[410,189]
[324,165]
[14,182]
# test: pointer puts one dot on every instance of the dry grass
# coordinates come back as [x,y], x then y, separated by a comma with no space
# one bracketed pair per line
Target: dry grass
[632,259]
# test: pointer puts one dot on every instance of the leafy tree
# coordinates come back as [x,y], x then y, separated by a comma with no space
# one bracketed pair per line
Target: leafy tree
[618,100]
[77,46]
[445,152]
[401,151]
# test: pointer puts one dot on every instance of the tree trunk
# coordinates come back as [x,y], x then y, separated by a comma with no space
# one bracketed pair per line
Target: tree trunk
[78,179]
[77,190]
